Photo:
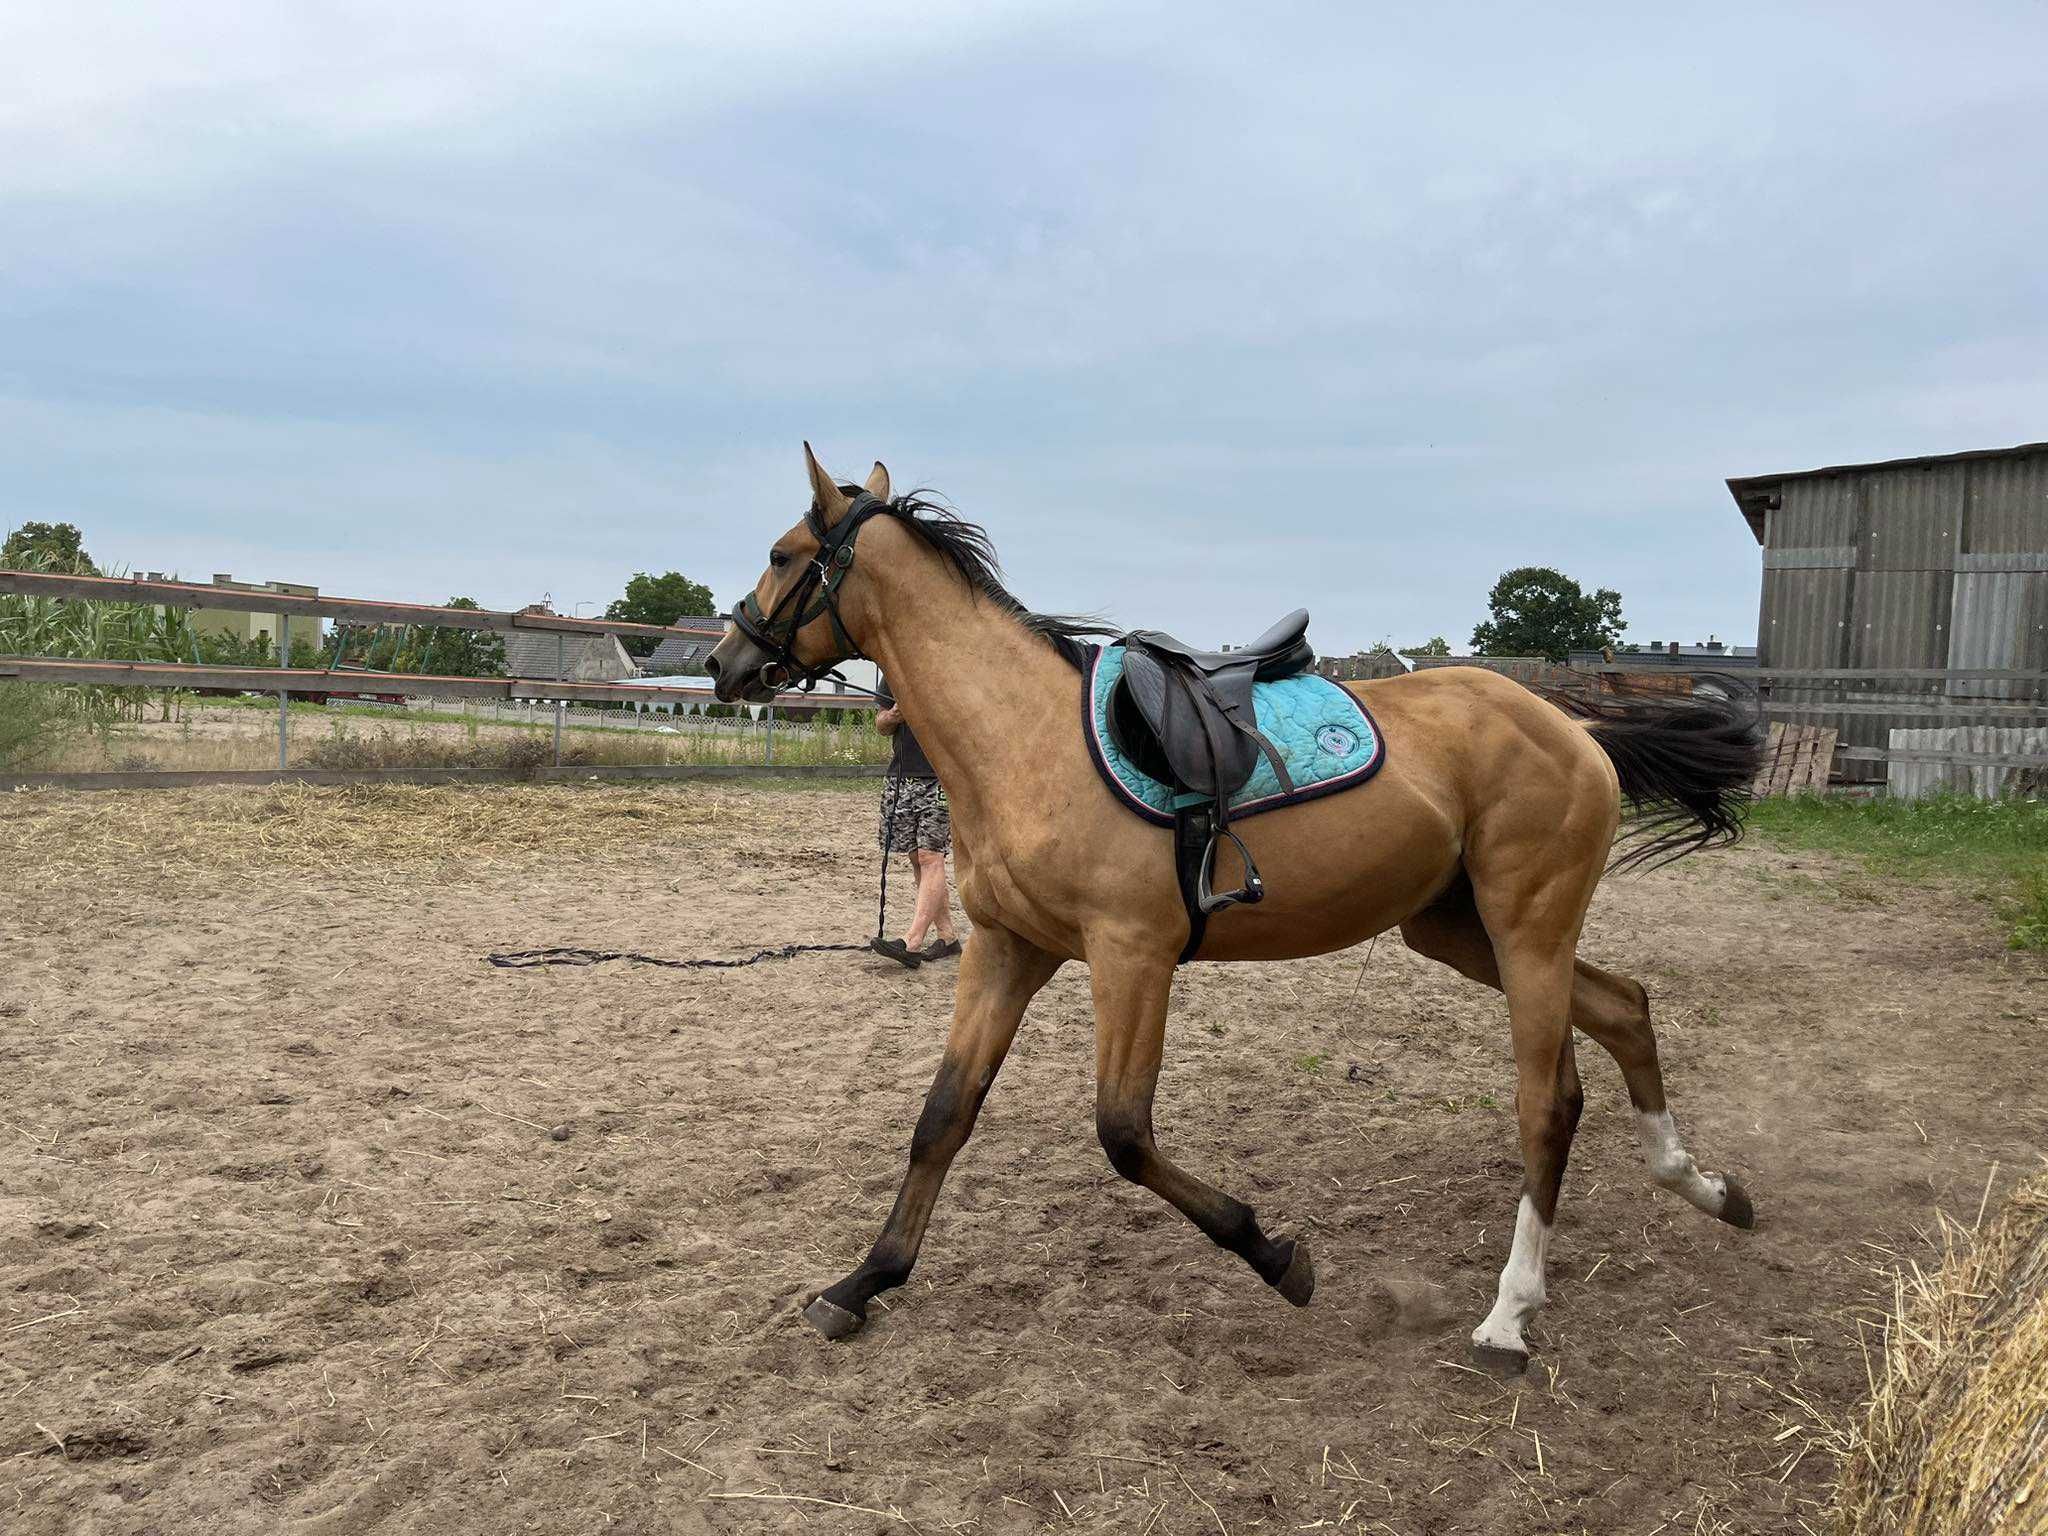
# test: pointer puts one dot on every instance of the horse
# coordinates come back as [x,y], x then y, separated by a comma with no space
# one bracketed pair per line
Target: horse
[1481,838]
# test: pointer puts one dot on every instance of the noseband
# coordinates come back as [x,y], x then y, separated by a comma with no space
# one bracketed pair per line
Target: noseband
[816,594]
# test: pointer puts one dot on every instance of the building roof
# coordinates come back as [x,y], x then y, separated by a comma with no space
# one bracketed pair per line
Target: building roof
[557,658]
[685,652]
[1755,494]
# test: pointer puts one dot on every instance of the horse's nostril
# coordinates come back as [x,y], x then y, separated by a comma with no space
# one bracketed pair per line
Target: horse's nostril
[711,668]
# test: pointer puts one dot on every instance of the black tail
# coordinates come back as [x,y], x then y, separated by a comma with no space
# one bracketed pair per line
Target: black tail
[1685,764]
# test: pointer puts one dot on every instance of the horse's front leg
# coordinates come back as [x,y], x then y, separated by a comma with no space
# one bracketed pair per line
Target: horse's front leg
[999,975]
[1131,992]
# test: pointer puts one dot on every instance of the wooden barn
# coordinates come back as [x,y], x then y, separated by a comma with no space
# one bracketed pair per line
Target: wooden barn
[1914,573]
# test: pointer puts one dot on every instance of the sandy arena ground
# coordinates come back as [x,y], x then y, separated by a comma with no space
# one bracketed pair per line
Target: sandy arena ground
[312,1221]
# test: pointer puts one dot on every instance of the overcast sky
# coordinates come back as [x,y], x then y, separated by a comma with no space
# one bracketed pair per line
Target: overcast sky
[1206,311]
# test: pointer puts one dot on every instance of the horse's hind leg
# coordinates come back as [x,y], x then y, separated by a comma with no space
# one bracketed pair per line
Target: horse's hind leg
[1131,995]
[1615,1011]
[999,975]
[1536,974]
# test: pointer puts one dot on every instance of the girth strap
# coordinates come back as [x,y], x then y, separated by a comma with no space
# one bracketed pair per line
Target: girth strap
[1194,830]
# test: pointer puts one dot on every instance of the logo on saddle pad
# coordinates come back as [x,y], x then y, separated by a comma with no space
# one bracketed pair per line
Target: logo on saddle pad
[1337,740]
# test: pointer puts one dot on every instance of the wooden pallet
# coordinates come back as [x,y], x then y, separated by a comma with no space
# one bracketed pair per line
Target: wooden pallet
[1797,760]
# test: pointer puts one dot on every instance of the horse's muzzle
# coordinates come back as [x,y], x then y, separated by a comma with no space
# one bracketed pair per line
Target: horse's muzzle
[740,669]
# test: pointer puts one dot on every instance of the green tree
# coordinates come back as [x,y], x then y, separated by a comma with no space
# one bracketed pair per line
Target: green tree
[452,652]
[1541,612]
[658,600]
[1435,645]
[47,547]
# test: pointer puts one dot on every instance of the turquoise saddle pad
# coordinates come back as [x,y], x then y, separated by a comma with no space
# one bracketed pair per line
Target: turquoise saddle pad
[1322,732]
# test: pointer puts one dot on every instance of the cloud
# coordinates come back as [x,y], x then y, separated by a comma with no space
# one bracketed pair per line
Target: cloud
[1206,311]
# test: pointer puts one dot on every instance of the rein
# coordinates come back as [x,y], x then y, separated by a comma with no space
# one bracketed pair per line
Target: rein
[527,959]
[815,595]
[569,954]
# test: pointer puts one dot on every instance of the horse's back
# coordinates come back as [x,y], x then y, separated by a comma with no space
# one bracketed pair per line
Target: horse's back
[1475,725]
[1522,770]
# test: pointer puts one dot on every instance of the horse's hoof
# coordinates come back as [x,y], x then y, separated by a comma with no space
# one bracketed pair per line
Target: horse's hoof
[833,1322]
[1298,1282]
[1496,1361]
[1736,1209]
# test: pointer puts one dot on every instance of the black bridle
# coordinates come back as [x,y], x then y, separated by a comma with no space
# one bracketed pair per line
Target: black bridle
[814,595]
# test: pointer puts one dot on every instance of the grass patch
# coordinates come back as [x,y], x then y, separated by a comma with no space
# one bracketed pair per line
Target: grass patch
[2000,846]
[35,726]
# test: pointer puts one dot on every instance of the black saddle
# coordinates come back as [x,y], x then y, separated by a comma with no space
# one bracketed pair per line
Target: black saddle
[1185,717]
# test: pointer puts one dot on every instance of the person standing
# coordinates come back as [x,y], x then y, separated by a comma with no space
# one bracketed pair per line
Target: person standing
[915,821]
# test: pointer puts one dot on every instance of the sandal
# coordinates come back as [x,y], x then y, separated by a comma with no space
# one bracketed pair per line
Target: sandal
[939,949]
[897,950]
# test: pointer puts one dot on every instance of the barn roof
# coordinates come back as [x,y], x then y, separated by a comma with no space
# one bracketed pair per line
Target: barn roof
[1755,494]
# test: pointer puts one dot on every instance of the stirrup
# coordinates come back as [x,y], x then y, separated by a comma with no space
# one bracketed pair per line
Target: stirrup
[1253,890]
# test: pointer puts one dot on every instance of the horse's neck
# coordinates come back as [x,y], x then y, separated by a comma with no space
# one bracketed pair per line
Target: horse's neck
[979,689]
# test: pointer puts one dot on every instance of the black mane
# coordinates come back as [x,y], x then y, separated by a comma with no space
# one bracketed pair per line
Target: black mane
[967,548]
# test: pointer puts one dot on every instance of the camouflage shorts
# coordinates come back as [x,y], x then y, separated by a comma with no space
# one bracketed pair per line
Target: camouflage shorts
[914,815]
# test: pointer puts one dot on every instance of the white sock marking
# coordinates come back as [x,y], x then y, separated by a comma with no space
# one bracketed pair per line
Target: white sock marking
[1672,1166]
[1521,1293]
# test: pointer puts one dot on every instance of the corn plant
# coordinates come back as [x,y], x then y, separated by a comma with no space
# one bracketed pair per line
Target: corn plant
[98,631]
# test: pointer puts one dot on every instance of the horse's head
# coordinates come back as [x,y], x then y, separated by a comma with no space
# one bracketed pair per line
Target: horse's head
[788,629]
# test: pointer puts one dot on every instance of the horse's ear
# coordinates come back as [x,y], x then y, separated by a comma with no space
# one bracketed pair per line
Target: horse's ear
[831,501]
[878,481]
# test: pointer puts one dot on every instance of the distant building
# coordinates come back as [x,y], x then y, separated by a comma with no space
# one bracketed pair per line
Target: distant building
[1361,666]
[557,657]
[1927,564]
[248,628]
[1709,655]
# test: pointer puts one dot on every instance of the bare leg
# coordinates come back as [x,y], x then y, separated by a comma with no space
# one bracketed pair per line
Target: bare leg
[999,975]
[942,897]
[934,905]
[1130,1031]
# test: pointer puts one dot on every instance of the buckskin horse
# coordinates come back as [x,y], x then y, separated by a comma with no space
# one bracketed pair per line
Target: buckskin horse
[1482,838]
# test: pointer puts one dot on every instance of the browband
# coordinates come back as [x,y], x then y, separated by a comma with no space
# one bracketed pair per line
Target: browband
[815,595]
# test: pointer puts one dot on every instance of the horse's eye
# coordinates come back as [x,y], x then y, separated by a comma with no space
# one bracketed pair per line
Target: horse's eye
[777,558]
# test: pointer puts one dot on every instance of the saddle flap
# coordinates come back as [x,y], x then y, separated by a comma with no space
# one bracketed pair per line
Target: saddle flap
[1165,718]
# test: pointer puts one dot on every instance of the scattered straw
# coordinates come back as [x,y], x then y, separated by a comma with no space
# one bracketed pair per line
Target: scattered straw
[47,1317]
[803,1498]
